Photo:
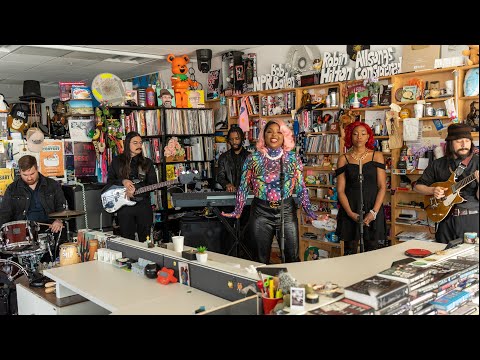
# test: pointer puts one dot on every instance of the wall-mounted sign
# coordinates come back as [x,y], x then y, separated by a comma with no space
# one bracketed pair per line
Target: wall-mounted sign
[368,64]
[278,78]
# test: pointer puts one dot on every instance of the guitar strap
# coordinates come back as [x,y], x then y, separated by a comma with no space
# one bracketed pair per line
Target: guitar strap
[462,166]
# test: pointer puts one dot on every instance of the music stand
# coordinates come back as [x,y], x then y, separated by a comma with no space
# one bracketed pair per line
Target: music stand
[235,231]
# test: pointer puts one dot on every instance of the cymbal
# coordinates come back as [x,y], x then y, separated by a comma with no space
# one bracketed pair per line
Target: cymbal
[66,214]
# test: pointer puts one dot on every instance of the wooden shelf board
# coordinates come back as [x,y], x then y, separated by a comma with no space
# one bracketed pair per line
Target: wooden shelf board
[331,244]
[433,71]
[323,132]
[468,98]
[372,108]
[426,100]
[322,200]
[381,137]
[273,116]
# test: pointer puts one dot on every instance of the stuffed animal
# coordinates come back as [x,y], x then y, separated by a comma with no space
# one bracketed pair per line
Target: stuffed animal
[180,81]
[472,53]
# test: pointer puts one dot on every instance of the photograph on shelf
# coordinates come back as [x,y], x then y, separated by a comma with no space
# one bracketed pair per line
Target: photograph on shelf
[184,273]
[79,129]
[196,99]
[132,96]
[166,98]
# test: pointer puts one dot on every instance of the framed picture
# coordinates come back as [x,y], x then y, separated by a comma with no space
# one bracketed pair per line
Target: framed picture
[409,93]
[184,273]
[196,98]
[297,298]
[166,97]
[131,95]
[239,72]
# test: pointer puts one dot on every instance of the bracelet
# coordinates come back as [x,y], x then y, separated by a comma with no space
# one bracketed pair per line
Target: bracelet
[374,213]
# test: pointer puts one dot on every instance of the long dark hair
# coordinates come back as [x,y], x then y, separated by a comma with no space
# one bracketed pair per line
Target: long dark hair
[126,157]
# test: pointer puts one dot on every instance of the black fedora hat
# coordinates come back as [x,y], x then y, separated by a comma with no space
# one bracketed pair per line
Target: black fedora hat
[31,91]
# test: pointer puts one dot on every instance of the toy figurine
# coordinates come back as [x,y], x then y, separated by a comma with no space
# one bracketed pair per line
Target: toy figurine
[180,80]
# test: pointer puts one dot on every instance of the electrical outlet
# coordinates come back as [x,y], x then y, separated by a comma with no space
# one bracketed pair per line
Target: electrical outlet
[427,128]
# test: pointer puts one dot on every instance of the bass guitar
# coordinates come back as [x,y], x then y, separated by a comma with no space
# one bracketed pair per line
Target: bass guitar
[438,209]
[116,196]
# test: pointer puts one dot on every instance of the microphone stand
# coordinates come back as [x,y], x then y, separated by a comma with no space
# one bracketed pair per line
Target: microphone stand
[282,212]
[360,218]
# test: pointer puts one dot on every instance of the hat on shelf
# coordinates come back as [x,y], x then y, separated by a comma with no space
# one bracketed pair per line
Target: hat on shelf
[35,139]
[20,111]
[31,91]
[459,131]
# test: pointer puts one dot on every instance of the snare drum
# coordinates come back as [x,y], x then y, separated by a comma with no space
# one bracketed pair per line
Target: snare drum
[69,254]
[18,235]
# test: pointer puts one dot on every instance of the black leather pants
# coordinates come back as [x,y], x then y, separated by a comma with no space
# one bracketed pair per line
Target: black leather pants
[265,223]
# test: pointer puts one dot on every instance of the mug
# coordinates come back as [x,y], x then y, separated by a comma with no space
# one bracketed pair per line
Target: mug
[418,109]
[449,87]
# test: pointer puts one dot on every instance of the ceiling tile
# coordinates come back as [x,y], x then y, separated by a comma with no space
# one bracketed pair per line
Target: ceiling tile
[27,50]
[9,66]
[27,59]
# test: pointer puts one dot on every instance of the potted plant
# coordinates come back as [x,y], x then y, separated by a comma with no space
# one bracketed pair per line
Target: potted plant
[373,87]
[202,254]
[174,151]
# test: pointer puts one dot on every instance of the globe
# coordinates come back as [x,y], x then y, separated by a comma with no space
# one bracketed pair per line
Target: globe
[470,85]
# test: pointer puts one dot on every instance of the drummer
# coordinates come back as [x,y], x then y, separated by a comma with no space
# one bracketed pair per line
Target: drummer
[32,196]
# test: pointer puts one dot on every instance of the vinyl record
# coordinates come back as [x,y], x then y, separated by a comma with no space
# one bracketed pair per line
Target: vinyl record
[418,253]
[109,88]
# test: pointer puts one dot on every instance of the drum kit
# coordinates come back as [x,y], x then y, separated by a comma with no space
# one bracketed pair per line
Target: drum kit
[22,246]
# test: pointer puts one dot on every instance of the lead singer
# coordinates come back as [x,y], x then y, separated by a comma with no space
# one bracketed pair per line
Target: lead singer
[359,140]
[261,175]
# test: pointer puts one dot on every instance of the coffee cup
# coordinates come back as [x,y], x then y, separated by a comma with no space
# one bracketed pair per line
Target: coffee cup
[177,243]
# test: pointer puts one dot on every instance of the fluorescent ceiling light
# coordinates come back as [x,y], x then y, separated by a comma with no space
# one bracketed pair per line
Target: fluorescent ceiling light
[104,51]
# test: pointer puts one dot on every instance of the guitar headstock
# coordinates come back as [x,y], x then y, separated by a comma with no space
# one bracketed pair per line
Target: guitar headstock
[188,177]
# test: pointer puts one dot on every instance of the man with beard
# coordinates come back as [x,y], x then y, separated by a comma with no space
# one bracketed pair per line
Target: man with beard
[464,216]
[230,165]
[133,170]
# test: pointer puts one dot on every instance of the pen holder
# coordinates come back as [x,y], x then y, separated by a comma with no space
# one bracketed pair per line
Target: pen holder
[269,304]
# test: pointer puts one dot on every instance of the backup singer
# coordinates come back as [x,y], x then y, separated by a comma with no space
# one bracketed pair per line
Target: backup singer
[261,175]
[464,216]
[359,140]
[124,170]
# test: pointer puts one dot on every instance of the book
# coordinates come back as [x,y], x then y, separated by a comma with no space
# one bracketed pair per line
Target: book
[451,300]
[376,291]
[405,273]
[343,307]
[443,255]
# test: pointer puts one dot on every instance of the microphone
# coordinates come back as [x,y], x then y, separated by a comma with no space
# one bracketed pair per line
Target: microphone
[360,164]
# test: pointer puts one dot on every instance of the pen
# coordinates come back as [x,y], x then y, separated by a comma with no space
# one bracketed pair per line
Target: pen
[270,288]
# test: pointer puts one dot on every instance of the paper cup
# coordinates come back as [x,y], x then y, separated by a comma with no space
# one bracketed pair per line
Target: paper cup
[177,243]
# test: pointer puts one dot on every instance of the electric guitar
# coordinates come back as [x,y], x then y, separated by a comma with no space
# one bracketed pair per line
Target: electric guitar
[438,209]
[116,196]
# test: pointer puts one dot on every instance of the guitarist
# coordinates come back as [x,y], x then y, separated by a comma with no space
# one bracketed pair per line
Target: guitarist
[125,169]
[464,216]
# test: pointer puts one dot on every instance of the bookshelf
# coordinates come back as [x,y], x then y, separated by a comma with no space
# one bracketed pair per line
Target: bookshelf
[195,131]
[312,159]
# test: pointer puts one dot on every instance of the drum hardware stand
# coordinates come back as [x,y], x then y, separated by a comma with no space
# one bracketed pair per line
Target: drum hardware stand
[236,232]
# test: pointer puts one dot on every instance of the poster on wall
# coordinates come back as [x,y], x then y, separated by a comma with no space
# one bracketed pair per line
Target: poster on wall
[213,84]
[84,159]
[6,178]
[51,158]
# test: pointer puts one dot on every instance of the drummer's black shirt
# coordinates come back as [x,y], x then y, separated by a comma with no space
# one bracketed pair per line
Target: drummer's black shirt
[36,212]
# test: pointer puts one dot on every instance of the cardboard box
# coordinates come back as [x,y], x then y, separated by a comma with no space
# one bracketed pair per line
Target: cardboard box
[419,57]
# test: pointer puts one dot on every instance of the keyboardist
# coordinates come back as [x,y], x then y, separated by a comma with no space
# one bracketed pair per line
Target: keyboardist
[230,165]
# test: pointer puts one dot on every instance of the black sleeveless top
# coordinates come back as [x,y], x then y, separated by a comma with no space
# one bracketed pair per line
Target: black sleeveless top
[347,229]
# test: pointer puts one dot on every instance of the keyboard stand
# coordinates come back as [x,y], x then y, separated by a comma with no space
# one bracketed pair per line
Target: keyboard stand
[235,231]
